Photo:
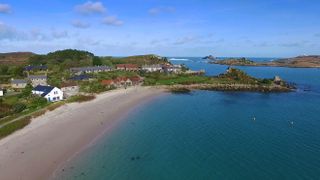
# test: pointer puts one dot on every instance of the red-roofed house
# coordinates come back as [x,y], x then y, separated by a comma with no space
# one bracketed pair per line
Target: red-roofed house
[123,82]
[107,82]
[136,80]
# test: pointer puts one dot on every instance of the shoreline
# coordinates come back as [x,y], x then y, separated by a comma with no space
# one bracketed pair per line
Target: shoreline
[51,140]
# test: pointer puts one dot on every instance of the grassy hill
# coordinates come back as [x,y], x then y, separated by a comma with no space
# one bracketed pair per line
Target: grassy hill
[15,58]
[140,60]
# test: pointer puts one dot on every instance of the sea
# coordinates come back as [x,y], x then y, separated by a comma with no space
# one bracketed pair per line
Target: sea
[214,135]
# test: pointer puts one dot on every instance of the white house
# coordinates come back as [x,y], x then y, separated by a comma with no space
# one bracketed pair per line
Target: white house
[152,68]
[1,92]
[52,94]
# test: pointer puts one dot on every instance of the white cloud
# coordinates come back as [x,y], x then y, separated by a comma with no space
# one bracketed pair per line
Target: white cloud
[8,32]
[112,21]
[80,24]
[5,8]
[90,8]
[59,34]
[159,10]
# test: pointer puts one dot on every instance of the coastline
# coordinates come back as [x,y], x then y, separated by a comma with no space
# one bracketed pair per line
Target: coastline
[38,150]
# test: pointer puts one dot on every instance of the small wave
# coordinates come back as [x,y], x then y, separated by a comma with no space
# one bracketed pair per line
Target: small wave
[178,59]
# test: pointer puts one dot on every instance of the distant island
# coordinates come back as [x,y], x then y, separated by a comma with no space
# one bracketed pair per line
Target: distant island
[210,57]
[296,62]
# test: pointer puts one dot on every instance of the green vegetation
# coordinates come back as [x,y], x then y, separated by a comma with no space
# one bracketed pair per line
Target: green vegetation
[139,60]
[14,126]
[232,76]
[65,58]
[180,90]
[152,79]
[81,98]
[235,61]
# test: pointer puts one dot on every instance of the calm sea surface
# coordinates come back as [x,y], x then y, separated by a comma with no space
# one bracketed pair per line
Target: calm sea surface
[213,135]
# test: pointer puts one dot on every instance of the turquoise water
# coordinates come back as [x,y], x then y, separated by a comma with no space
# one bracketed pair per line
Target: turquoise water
[213,135]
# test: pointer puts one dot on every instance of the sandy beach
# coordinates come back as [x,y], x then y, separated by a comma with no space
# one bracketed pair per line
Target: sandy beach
[36,151]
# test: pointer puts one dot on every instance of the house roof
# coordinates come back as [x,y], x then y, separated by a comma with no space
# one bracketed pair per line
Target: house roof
[119,79]
[68,84]
[31,68]
[107,82]
[45,89]
[80,77]
[18,81]
[37,77]
[135,79]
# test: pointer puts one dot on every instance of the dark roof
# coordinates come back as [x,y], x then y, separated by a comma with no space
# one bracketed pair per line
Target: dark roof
[44,89]
[38,68]
[80,77]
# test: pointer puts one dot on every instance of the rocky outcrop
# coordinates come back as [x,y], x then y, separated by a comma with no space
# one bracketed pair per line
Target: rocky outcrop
[235,87]
[297,62]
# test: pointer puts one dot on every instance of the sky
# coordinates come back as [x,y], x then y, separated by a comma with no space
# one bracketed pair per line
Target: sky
[250,28]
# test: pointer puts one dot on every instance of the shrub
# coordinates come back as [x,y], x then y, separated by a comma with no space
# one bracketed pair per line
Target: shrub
[80,98]
[39,113]
[19,107]
[54,106]
[14,126]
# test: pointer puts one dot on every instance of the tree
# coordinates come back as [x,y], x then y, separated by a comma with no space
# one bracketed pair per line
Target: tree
[27,91]
[4,70]
[97,61]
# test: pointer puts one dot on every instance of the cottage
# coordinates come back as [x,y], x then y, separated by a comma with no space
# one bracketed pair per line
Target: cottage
[122,82]
[38,80]
[92,69]
[152,68]
[36,68]
[69,89]
[52,94]
[136,80]
[18,83]
[127,67]
[172,68]
[81,77]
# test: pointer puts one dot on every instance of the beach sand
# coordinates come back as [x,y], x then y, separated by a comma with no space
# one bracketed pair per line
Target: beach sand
[36,151]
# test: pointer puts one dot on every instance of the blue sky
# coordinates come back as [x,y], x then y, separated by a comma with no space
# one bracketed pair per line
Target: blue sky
[253,28]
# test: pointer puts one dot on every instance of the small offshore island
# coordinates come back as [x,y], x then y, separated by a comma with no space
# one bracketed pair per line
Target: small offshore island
[296,62]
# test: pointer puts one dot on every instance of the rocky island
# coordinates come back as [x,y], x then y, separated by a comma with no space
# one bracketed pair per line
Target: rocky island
[232,80]
[296,62]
